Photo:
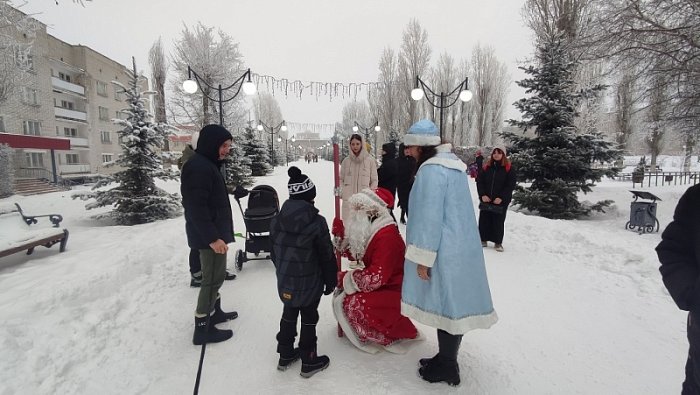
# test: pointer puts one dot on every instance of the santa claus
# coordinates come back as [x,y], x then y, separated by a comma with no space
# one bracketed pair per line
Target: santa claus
[368,303]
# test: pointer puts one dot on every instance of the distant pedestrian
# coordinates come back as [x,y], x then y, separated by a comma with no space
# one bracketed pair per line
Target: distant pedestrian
[407,172]
[388,173]
[357,172]
[679,254]
[306,269]
[495,184]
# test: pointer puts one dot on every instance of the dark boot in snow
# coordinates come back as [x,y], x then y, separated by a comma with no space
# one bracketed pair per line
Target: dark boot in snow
[288,355]
[220,316]
[423,362]
[312,363]
[213,335]
[230,276]
[443,367]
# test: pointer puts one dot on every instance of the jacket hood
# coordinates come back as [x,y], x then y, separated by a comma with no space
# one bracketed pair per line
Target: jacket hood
[390,149]
[210,139]
[361,157]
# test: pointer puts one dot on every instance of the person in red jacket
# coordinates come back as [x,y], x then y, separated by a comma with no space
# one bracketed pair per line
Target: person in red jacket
[368,308]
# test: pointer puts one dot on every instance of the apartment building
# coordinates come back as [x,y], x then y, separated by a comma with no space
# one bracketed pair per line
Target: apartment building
[69,94]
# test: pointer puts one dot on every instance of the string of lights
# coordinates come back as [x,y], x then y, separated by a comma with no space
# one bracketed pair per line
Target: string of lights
[298,88]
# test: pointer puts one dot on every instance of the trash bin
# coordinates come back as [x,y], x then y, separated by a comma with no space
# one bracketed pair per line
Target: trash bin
[643,214]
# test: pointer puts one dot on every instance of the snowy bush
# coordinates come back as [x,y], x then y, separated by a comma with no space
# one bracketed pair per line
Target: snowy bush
[7,173]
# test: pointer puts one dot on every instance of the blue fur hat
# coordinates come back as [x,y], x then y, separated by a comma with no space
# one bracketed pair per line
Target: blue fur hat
[422,133]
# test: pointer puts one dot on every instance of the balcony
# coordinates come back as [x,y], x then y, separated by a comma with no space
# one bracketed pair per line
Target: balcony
[74,169]
[78,142]
[70,114]
[67,86]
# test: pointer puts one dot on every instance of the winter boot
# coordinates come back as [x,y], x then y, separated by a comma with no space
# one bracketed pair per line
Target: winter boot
[499,247]
[443,367]
[288,355]
[230,276]
[213,335]
[219,315]
[196,280]
[439,370]
[312,363]
[423,362]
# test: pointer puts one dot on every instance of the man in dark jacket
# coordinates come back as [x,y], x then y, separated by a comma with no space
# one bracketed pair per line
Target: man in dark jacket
[209,227]
[388,172]
[406,175]
[679,254]
[306,268]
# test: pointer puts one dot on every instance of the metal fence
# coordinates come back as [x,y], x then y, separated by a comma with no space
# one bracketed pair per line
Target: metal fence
[661,178]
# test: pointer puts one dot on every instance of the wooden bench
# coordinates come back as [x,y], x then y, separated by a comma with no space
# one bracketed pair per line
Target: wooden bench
[17,233]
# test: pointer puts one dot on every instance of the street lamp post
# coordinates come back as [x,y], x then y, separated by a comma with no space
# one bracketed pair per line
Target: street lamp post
[190,86]
[421,88]
[271,130]
[376,128]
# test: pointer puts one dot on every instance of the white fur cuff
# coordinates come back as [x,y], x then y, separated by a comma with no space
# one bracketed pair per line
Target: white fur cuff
[349,285]
[421,139]
[420,256]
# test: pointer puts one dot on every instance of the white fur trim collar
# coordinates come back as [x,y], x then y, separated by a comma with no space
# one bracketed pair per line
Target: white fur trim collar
[450,163]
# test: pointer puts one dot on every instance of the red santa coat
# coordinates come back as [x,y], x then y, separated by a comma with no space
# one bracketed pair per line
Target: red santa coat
[371,299]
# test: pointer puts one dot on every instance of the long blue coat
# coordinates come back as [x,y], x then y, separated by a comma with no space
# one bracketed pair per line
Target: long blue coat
[442,235]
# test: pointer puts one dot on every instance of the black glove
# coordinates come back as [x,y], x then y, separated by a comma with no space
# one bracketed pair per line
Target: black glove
[329,289]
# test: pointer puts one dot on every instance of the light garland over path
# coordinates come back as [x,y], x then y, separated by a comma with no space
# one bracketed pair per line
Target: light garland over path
[298,88]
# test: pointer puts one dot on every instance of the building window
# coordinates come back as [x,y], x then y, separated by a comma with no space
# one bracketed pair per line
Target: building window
[2,125]
[72,159]
[106,158]
[70,132]
[66,104]
[34,159]
[64,76]
[29,96]
[24,59]
[118,91]
[104,113]
[105,137]
[101,88]
[32,128]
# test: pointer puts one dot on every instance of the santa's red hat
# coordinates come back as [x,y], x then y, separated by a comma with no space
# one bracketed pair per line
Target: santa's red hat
[386,196]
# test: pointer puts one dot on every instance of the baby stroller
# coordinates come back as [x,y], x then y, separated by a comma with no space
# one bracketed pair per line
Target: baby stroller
[263,206]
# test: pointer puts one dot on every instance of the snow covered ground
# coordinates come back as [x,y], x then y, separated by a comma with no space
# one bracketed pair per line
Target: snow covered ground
[581,304]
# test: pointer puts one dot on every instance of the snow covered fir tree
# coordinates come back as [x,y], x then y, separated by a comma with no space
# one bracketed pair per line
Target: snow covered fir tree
[559,160]
[7,177]
[137,199]
[238,166]
[257,152]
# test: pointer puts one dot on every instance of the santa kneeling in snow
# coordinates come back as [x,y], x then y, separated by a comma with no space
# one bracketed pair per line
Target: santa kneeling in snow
[367,304]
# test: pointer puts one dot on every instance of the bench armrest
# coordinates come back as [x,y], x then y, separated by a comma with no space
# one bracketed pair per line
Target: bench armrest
[32,219]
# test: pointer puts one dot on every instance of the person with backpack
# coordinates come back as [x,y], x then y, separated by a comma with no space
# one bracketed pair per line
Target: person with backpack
[305,265]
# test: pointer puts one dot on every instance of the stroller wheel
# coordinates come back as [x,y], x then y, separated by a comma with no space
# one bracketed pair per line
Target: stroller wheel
[240,258]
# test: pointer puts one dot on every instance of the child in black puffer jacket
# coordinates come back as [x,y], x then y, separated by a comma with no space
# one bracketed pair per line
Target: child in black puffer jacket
[306,269]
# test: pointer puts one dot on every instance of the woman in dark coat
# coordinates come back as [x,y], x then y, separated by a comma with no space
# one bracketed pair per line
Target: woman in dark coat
[388,172]
[495,184]
[407,172]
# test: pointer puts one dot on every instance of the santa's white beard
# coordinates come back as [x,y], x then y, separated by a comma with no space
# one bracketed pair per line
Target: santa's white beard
[357,232]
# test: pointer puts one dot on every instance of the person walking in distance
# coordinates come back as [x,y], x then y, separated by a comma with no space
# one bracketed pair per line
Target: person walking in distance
[357,172]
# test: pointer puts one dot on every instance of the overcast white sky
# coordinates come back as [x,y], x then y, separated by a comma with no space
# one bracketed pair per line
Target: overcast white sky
[309,40]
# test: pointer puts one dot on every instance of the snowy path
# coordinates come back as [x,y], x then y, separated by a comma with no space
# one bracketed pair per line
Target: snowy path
[581,304]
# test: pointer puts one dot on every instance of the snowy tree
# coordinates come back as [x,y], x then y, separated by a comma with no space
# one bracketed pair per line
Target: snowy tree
[257,152]
[557,161]
[489,83]
[414,60]
[238,165]
[624,107]
[656,119]
[7,174]
[217,59]
[387,97]
[136,199]
[17,34]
